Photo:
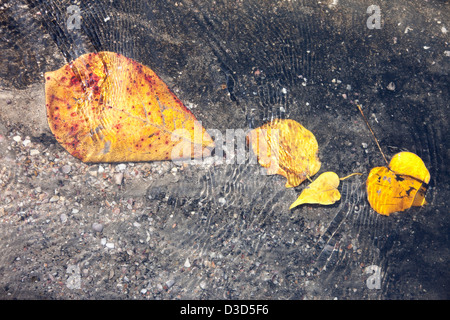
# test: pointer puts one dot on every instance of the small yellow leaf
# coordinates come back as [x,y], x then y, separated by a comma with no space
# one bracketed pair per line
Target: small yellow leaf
[285,147]
[323,190]
[398,187]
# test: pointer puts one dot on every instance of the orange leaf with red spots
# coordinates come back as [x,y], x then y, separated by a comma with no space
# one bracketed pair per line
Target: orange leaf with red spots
[104,107]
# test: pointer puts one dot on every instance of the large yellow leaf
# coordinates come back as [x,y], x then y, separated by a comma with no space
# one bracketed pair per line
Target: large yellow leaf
[285,147]
[399,186]
[323,190]
[104,107]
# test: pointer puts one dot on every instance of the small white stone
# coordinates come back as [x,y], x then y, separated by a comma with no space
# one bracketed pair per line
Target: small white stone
[66,169]
[121,167]
[26,142]
[170,283]
[63,217]
[17,138]
[203,285]
[118,177]
[103,241]
[109,245]
[97,227]
[187,263]
[391,86]
[93,172]
[34,152]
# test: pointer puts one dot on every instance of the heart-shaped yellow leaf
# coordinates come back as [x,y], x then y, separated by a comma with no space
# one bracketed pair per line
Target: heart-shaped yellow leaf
[323,190]
[399,186]
[104,107]
[285,147]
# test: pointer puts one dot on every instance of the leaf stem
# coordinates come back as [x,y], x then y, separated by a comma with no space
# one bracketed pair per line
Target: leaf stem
[373,134]
[352,174]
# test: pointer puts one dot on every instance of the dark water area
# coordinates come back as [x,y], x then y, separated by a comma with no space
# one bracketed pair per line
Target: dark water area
[241,64]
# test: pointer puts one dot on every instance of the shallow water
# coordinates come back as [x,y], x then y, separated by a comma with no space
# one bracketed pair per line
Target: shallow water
[224,230]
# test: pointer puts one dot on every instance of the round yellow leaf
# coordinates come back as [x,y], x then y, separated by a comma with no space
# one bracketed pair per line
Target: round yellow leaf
[389,192]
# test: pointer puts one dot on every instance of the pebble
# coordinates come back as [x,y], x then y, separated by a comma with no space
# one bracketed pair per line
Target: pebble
[63,217]
[109,245]
[121,167]
[34,152]
[169,283]
[66,169]
[118,177]
[187,263]
[203,285]
[17,138]
[93,171]
[97,227]
[54,199]
[391,86]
